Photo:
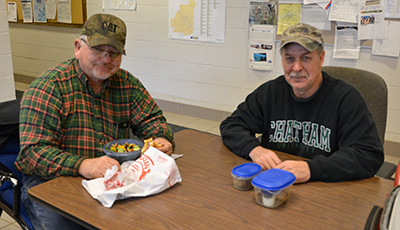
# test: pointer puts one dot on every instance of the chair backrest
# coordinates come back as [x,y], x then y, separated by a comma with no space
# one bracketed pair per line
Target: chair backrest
[9,120]
[371,86]
[9,148]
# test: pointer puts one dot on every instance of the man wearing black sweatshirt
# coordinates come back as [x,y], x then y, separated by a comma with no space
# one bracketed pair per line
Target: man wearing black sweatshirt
[307,113]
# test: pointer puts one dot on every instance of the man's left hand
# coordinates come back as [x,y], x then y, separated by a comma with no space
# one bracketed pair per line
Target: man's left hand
[166,146]
[299,168]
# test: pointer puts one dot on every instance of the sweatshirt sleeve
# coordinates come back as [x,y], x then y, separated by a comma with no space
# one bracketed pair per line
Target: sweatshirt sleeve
[360,152]
[238,130]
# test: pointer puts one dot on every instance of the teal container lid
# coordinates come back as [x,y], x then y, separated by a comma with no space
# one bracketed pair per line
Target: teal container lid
[273,179]
[246,170]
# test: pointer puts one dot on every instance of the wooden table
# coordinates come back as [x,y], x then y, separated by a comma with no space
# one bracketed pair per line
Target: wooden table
[206,199]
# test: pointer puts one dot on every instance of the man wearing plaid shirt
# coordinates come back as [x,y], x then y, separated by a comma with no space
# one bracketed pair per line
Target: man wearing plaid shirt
[78,106]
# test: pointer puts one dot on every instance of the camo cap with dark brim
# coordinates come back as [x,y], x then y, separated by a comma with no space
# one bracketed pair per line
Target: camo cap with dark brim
[306,35]
[105,29]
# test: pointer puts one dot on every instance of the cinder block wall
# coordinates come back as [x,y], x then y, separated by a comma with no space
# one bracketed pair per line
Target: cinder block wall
[7,88]
[199,74]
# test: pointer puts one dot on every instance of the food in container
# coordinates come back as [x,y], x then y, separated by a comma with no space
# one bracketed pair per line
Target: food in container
[127,147]
[273,187]
[243,174]
[122,156]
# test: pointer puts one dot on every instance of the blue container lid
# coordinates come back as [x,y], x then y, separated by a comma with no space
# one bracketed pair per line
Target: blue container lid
[273,179]
[246,170]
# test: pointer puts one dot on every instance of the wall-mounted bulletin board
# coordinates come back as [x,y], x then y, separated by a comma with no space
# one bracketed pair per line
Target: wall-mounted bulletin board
[74,14]
[289,9]
[329,35]
[347,25]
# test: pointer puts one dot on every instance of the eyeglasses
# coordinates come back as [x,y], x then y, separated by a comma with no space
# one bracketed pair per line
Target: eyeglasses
[103,53]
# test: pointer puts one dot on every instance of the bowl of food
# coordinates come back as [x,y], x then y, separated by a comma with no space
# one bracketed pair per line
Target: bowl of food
[272,187]
[123,149]
[243,174]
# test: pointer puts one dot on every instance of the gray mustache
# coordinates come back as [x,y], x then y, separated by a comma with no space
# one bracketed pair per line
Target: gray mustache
[297,75]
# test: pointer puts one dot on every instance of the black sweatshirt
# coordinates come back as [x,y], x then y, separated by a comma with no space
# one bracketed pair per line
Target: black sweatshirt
[333,128]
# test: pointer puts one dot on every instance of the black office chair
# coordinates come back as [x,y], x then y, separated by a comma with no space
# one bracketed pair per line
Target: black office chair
[10,178]
[374,90]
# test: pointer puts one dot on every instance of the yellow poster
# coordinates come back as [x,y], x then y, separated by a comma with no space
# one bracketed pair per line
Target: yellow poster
[288,15]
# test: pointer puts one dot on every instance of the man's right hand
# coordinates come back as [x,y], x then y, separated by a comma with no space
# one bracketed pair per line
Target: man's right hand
[266,158]
[97,167]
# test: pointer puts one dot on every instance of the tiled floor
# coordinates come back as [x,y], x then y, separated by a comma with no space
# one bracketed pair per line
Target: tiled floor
[193,122]
[6,223]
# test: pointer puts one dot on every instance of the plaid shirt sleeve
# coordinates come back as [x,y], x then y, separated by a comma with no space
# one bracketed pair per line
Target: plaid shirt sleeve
[62,121]
[147,120]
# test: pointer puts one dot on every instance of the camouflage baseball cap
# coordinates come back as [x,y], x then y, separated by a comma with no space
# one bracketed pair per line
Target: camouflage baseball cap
[105,29]
[306,35]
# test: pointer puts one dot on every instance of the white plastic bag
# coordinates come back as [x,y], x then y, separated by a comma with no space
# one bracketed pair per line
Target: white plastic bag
[152,173]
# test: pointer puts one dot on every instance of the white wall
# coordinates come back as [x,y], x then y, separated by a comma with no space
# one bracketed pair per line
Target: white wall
[7,88]
[36,48]
[214,76]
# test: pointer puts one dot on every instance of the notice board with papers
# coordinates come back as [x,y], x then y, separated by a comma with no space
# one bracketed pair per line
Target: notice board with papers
[347,25]
[73,15]
[328,34]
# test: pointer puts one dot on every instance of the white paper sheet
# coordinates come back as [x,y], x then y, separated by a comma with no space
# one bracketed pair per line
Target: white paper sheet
[64,11]
[51,9]
[291,1]
[12,11]
[370,22]
[346,43]
[389,46]
[324,4]
[120,4]
[262,47]
[316,16]
[27,11]
[345,10]
[392,8]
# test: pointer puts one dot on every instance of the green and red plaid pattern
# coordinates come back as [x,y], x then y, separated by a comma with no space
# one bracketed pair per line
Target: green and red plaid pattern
[62,121]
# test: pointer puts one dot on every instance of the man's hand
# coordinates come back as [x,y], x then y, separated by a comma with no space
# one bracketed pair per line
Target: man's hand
[97,167]
[266,158]
[299,168]
[166,146]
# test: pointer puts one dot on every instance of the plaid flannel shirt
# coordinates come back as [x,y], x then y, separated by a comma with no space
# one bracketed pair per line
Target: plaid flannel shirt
[62,121]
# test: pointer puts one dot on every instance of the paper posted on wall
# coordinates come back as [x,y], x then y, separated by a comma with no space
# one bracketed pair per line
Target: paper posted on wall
[392,8]
[39,10]
[371,22]
[151,174]
[262,46]
[389,46]
[346,45]
[262,12]
[345,10]
[27,11]
[12,11]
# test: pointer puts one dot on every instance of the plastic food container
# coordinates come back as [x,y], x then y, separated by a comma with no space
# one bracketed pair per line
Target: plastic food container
[272,187]
[127,156]
[243,174]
